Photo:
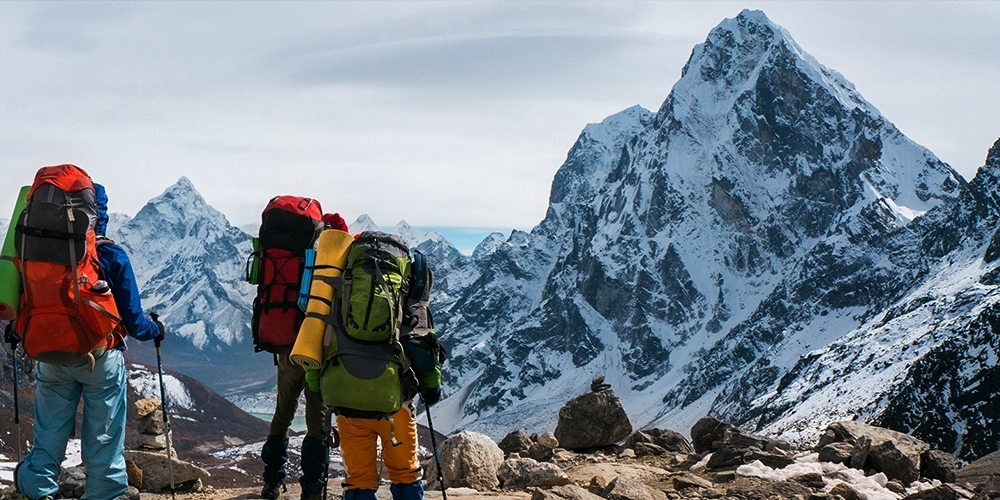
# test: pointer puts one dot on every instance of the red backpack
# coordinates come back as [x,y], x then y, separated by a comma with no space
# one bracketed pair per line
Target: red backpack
[289,226]
[67,314]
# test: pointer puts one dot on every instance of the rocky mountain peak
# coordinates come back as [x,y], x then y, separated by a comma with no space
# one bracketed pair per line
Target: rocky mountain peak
[993,156]
[363,223]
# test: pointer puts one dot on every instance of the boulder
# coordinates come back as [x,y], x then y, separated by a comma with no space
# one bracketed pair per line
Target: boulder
[623,488]
[942,492]
[936,464]
[524,473]
[568,492]
[515,442]
[989,490]
[979,472]
[585,472]
[710,434]
[151,423]
[628,453]
[539,452]
[548,440]
[860,454]
[894,453]
[592,420]
[468,460]
[838,453]
[666,439]
[813,480]
[155,476]
[145,406]
[706,432]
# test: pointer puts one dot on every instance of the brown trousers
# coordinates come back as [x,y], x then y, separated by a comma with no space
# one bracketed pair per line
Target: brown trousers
[291,383]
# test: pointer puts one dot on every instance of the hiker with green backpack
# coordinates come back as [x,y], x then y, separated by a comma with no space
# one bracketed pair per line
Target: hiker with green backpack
[379,352]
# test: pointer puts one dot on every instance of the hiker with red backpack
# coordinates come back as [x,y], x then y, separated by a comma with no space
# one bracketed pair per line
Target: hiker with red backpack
[289,227]
[79,302]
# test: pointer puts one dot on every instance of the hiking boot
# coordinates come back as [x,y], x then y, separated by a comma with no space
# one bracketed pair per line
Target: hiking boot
[272,491]
[311,495]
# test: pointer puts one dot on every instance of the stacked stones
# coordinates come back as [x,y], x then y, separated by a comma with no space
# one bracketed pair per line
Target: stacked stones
[151,433]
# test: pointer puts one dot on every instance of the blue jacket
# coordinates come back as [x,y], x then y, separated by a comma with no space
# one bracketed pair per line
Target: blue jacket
[119,275]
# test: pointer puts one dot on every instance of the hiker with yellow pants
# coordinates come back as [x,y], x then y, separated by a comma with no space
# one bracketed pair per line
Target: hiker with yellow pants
[368,308]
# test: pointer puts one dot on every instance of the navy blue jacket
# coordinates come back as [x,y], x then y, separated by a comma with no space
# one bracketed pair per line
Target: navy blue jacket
[119,275]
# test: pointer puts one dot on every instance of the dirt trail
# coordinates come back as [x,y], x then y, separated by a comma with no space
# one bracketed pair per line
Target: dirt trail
[335,493]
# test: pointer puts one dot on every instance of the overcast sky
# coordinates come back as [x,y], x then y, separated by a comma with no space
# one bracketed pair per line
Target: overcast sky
[445,114]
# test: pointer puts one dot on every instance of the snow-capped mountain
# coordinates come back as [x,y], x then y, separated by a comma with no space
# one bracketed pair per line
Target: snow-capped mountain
[189,262]
[697,255]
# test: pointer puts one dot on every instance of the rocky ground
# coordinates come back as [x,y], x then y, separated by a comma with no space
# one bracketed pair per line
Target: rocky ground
[594,454]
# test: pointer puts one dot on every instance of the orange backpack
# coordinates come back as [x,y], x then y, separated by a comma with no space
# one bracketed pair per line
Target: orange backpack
[67,314]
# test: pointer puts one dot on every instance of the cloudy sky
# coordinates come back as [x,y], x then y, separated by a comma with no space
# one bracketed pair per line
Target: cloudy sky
[446,114]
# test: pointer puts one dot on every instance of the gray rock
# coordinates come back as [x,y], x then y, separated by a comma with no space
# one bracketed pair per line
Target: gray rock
[524,473]
[710,434]
[540,453]
[896,487]
[860,454]
[132,493]
[813,480]
[468,460]
[706,433]
[627,453]
[155,476]
[687,480]
[989,490]
[789,490]
[515,442]
[592,420]
[936,464]
[943,492]
[979,472]
[623,488]
[548,440]
[649,449]
[838,453]
[667,439]
[846,492]
[71,482]
[150,442]
[151,423]
[568,492]
[894,453]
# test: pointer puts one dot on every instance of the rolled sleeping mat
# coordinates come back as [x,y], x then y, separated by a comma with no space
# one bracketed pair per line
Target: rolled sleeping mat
[331,257]
[10,277]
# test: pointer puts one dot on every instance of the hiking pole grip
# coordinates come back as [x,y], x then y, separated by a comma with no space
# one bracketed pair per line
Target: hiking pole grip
[437,457]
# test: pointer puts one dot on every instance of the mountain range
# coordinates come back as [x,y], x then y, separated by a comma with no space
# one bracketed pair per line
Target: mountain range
[766,247]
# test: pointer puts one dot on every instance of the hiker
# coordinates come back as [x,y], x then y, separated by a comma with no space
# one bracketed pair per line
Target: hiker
[290,226]
[382,352]
[98,376]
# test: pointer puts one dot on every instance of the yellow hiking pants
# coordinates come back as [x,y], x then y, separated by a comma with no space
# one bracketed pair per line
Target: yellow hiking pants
[358,444]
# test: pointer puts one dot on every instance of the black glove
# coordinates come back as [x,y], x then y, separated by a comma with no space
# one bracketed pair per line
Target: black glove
[156,319]
[430,395]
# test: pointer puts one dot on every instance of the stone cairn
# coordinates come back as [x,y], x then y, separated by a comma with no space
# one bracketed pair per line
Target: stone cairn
[150,433]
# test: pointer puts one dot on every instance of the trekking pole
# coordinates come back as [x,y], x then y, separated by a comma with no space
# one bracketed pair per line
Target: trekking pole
[437,458]
[332,441]
[166,422]
[9,337]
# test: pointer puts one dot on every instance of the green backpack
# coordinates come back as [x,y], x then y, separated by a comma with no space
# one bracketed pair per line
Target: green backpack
[366,369]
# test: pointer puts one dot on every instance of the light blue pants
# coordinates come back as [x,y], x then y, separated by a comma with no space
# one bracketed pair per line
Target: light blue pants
[57,394]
